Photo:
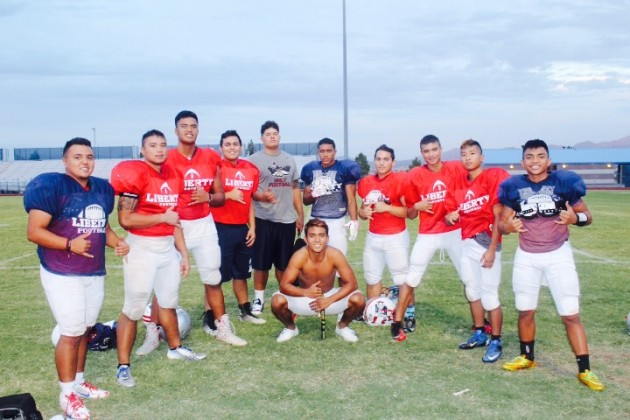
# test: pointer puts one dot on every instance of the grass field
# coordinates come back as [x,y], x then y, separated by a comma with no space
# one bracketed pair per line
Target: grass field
[374,378]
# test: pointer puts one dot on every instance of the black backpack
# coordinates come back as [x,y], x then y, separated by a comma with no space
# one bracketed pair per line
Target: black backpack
[20,406]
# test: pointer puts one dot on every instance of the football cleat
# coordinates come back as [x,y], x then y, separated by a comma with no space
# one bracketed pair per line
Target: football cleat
[258,306]
[397,332]
[184,353]
[246,315]
[409,324]
[591,380]
[124,377]
[519,363]
[73,407]
[208,325]
[225,333]
[151,340]
[494,351]
[477,339]
[88,391]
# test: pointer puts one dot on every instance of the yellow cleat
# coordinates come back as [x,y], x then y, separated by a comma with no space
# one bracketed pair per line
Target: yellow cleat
[519,363]
[591,380]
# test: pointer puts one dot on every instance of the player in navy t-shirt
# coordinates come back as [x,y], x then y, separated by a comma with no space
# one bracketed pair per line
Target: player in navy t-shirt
[67,219]
[330,187]
[540,206]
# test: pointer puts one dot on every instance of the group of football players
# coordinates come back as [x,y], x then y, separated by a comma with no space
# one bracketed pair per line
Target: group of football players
[227,211]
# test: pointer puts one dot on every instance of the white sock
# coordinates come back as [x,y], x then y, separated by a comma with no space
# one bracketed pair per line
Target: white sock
[79,378]
[259,294]
[152,330]
[66,388]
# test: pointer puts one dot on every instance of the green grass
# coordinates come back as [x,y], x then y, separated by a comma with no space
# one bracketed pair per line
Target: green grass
[375,378]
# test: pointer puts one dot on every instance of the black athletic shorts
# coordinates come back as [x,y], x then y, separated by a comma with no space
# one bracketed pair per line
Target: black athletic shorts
[274,245]
[235,255]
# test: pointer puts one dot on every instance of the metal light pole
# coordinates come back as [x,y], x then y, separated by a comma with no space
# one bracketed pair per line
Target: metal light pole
[345,88]
[93,136]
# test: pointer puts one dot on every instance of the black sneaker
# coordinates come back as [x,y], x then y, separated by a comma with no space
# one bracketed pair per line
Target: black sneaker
[246,315]
[209,326]
[409,325]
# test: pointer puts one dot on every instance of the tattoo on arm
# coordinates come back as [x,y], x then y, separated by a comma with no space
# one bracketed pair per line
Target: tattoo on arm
[127,202]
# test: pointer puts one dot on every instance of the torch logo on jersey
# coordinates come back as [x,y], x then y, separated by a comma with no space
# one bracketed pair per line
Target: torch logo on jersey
[239,182]
[192,180]
[438,194]
[374,197]
[91,220]
[166,198]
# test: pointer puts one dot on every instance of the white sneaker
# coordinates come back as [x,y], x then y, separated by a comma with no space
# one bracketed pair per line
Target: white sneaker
[347,334]
[184,353]
[252,319]
[257,306]
[225,333]
[287,334]
[151,341]
[73,407]
[89,391]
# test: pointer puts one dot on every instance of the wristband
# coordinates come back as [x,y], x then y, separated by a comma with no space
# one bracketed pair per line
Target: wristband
[582,219]
[68,245]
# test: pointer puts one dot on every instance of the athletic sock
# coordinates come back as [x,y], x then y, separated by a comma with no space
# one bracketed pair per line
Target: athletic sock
[79,378]
[527,349]
[583,362]
[259,294]
[496,337]
[123,364]
[482,329]
[66,387]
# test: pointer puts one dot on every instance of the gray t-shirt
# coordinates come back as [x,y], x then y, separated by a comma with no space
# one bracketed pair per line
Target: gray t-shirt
[277,172]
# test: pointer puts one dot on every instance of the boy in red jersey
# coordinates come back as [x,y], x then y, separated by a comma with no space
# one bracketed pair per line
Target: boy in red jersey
[476,206]
[425,193]
[236,222]
[148,196]
[387,241]
[201,189]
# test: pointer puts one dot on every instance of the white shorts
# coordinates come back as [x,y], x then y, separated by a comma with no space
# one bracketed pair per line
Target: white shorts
[299,305]
[202,242]
[75,301]
[425,247]
[337,234]
[391,250]
[557,268]
[481,283]
[152,264]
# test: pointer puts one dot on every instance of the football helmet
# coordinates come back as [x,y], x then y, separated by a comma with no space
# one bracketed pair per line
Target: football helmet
[379,311]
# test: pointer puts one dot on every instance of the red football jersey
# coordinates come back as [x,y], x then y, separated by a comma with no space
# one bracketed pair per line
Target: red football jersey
[389,189]
[198,171]
[475,201]
[156,192]
[244,176]
[423,183]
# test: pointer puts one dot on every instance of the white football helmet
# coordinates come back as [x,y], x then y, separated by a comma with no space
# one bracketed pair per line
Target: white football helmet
[379,311]
[184,322]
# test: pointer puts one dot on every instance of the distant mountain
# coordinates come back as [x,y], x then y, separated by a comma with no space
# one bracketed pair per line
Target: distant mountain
[623,142]
[453,154]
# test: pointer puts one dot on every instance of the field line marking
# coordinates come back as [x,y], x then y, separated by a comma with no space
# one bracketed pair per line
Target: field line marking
[9,260]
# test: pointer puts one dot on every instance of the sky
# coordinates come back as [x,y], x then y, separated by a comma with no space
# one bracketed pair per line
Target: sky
[498,72]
